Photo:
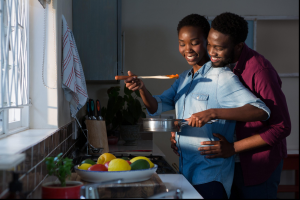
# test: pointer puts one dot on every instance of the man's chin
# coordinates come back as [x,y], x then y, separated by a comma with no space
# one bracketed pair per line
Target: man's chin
[217,65]
[221,64]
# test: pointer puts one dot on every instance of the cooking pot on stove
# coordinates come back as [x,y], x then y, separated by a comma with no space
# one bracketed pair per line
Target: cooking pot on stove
[165,125]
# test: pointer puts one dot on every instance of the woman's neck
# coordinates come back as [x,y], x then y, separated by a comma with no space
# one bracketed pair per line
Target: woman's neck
[204,60]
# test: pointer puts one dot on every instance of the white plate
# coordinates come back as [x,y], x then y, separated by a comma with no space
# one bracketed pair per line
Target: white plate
[127,176]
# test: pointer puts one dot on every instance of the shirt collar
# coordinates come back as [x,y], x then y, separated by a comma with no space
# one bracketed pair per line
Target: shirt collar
[202,71]
[240,64]
[231,66]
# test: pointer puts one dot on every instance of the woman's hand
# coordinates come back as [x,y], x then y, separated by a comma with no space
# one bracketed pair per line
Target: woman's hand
[133,83]
[201,118]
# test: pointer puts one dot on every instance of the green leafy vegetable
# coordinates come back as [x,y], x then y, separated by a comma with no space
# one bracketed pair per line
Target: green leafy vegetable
[59,167]
[126,110]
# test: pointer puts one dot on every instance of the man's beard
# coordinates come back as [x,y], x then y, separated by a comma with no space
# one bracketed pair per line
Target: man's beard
[227,61]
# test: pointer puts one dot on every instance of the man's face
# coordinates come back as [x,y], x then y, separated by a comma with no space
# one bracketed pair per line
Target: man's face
[220,48]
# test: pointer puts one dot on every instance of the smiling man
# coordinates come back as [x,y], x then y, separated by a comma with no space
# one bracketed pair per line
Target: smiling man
[260,146]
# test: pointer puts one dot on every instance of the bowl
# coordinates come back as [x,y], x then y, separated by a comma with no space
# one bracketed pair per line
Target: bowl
[127,176]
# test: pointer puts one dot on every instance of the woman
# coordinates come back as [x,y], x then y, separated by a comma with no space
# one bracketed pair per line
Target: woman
[203,88]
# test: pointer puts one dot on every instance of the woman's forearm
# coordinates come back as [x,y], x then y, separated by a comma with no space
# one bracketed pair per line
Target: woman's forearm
[149,101]
[246,113]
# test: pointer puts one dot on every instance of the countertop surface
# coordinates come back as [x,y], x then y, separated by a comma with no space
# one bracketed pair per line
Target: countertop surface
[171,181]
[178,181]
[147,147]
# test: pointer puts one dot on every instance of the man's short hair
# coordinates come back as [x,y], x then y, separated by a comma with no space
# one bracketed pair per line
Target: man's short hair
[233,25]
[195,20]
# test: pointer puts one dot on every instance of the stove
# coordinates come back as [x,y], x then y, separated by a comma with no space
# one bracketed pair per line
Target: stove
[163,166]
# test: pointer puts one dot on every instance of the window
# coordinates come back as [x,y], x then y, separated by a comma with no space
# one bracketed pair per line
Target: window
[14,73]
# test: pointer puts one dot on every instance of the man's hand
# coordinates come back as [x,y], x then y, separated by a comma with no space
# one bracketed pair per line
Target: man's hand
[201,118]
[220,149]
[133,83]
[173,143]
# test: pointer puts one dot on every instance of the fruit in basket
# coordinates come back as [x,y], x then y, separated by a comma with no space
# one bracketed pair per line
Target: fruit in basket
[140,164]
[106,164]
[125,158]
[84,166]
[105,158]
[89,161]
[118,164]
[144,158]
[97,167]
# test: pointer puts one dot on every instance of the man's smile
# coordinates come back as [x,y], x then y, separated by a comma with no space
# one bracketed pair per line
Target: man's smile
[214,59]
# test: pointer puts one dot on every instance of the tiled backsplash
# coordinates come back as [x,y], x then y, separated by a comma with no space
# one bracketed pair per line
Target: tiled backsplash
[33,168]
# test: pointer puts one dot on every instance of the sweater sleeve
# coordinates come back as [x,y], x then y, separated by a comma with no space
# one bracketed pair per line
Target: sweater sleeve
[268,87]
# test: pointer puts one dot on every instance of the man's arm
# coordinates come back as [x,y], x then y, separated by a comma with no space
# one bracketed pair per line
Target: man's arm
[269,88]
[246,113]
[225,149]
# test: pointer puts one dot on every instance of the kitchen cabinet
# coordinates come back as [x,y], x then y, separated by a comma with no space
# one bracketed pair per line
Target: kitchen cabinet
[97,32]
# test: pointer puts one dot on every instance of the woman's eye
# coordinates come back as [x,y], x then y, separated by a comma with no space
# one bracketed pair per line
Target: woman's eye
[196,43]
[182,45]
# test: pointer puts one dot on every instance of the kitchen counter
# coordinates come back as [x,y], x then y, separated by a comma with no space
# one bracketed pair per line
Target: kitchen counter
[171,181]
[147,145]
[174,181]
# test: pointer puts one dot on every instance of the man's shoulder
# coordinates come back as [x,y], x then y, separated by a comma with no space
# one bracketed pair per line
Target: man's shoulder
[256,61]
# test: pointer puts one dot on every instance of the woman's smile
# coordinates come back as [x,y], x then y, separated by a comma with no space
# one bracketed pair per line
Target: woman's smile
[192,46]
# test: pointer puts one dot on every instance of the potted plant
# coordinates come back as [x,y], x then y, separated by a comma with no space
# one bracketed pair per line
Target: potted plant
[123,113]
[61,168]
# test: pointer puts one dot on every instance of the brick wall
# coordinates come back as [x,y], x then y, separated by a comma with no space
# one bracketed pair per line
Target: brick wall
[32,171]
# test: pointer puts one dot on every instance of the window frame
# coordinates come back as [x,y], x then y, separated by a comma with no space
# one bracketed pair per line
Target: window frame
[23,124]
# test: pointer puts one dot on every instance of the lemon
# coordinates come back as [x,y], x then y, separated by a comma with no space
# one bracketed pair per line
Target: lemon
[144,158]
[84,166]
[119,164]
[105,158]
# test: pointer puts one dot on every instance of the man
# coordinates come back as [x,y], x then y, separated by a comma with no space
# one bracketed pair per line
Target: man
[261,145]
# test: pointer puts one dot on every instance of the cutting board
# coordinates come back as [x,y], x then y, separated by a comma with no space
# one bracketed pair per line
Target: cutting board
[141,189]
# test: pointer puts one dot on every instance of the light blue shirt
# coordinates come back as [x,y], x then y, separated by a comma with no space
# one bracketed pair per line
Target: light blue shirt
[209,88]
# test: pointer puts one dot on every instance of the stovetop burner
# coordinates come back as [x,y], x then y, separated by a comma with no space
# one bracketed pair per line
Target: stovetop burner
[163,165]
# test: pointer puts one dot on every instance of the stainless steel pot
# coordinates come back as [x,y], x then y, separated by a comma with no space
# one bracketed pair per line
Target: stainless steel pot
[162,125]
[165,125]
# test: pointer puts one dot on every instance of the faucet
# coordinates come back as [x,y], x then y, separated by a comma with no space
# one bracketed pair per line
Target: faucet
[90,191]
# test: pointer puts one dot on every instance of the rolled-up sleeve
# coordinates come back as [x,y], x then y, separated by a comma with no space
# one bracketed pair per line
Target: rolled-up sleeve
[166,101]
[232,93]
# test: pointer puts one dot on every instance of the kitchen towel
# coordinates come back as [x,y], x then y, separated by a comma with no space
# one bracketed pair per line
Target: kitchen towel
[73,81]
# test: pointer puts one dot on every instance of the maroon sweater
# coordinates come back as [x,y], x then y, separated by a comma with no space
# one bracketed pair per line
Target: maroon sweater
[259,76]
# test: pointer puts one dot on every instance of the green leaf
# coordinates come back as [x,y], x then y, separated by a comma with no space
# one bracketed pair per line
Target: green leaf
[143,115]
[137,92]
[59,167]
[128,117]
[127,91]
[113,91]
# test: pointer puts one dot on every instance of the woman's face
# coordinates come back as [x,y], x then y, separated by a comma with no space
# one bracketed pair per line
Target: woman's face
[192,45]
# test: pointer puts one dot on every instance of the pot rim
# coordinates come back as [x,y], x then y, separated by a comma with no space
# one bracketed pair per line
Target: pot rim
[76,184]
